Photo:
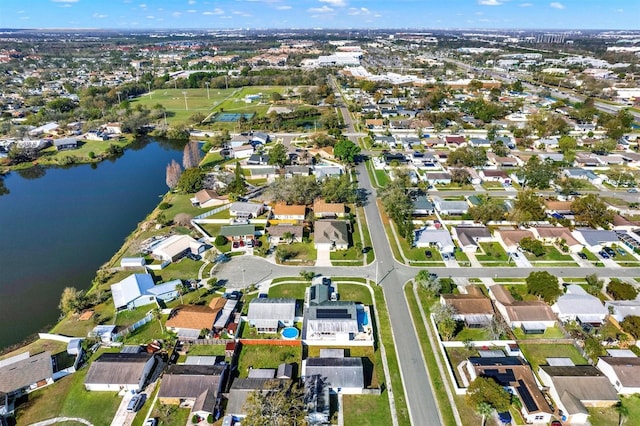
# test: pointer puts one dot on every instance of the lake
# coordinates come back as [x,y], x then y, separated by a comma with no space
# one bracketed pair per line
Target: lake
[59,225]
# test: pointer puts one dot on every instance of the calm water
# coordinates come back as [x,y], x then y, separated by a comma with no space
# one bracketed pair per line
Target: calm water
[58,226]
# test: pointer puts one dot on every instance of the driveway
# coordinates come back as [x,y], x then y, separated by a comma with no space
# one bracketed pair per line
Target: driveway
[324,257]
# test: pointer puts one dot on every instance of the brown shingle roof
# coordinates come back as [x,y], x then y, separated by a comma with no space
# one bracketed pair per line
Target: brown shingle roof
[320,206]
[282,209]
[196,317]
[558,205]
[513,237]
[467,304]
[559,232]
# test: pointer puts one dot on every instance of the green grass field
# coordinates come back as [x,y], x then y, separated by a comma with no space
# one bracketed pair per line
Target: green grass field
[229,100]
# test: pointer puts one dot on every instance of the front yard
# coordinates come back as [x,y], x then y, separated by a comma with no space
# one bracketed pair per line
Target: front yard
[493,255]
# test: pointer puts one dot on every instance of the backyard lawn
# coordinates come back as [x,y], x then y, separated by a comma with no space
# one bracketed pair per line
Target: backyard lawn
[549,333]
[372,410]
[267,356]
[537,354]
[184,269]
[355,292]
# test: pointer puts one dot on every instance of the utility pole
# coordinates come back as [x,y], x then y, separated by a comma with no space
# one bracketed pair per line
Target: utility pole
[119,101]
[186,106]
[226,82]
[206,83]
[149,86]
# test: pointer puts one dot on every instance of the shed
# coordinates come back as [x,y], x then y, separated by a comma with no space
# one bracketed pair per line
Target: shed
[132,262]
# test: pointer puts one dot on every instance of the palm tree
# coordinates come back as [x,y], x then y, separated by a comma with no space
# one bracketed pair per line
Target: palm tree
[623,412]
[484,410]
[157,314]
[180,291]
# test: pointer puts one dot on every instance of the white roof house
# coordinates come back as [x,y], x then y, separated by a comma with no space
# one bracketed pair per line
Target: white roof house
[577,304]
[333,321]
[595,239]
[620,309]
[131,289]
[249,210]
[448,207]
[267,315]
[176,246]
[440,238]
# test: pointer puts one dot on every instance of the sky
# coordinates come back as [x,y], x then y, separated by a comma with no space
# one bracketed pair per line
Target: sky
[340,14]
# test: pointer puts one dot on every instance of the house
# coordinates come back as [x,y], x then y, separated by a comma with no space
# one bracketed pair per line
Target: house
[438,178]
[584,175]
[103,332]
[469,237]
[322,209]
[268,315]
[175,247]
[188,321]
[290,171]
[429,237]
[206,198]
[455,140]
[131,292]
[242,151]
[620,309]
[318,294]
[241,388]
[65,143]
[224,317]
[195,386]
[322,171]
[422,206]
[133,263]
[21,374]
[113,128]
[502,161]
[285,233]
[511,238]
[533,317]
[120,371]
[595,239]
[260,137]
[343,375]
[560,207]
[44,129]
[258,159]
[558,235]
[623,373]
[336,322]
[473,308]
[243,210]
[515,374]
[578,305]
[450,207]
[374,123]
[391,158]
[331,234]
[480,143]
[282,211]
[495,176]
[574,388]
[236,233]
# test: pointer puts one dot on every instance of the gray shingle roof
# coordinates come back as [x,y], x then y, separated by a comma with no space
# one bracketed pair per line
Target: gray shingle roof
[272,309]
[120,368]
[338,372]
[25,372]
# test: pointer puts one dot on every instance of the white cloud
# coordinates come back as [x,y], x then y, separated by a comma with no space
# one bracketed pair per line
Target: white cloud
[284,7]
[20,12]
[359,11]
[191,11]
[619,10]
[142,6]
[489,2]
[323,9]
[65,1]
[176,14]
[526,4]
[216,11]
[99,15]
[192,2]
[66,5]
[336,3]
[150,17]
[556,5]
[24,18]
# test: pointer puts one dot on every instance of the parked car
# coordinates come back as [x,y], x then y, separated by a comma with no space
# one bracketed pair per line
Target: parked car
[235,244]
[609,251]
[515,255]
[556,423]
[151,422]
[505,418]
[621,251]
[433,276]
[603,254]
[428,254]
[581,255]
[632,190]
[445,256]
[136,402]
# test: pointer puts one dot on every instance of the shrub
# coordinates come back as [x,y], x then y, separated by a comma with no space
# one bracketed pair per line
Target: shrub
[92,155]
[621,290]
[220,240]
[164,206]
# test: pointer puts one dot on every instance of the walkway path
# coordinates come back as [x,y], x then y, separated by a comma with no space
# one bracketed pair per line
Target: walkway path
[57,420]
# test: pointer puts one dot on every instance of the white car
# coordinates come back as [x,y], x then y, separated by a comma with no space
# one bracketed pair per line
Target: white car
[152,421]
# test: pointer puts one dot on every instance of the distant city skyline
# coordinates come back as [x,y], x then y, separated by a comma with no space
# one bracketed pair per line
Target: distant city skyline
[329,14]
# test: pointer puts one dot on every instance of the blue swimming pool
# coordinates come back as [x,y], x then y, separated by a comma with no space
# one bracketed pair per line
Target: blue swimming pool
[363,317]
[290,333]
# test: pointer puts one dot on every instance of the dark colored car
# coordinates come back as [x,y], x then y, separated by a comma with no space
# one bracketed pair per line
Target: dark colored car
[603,254]
[581,255]
[609,251]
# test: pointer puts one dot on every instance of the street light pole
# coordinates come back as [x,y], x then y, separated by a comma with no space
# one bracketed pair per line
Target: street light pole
[149,86]
[206,83]
[186,106]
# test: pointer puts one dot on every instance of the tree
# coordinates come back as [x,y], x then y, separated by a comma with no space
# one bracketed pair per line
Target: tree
[340,189]
[623,412]
[487,390]
[467,156]
[237,186]
[191,155]
[157,315]
[621,290]
[399,206]
[71,300]
[631,324]
[220,241]
[567,146]
[429,282]
[190,181]
[443,316]
[307,275]
[488,210]
[527,207]
[296,190]
[591,211]
[173,174]
[568,186]
[532,246]
[485,410]
[594,285]
[275,405]
[544,285]
[460,176]
[180,291]
[538,174]
[346,151]
[496,328]
[278,155]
